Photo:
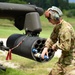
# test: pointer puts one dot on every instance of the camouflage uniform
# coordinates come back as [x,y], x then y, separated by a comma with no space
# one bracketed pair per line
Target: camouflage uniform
[63,36]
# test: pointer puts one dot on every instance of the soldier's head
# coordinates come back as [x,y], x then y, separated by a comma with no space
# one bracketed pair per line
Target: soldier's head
[53,14]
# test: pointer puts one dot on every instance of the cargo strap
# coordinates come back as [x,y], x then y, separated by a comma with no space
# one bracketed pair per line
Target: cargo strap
[9,56]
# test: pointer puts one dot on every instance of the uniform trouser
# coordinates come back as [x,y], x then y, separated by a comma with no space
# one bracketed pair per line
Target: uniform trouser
[60,69]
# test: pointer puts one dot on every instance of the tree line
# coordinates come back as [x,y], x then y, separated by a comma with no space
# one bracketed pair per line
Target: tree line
[63,4]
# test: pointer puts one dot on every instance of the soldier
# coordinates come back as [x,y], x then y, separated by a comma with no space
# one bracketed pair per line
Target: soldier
[62,37]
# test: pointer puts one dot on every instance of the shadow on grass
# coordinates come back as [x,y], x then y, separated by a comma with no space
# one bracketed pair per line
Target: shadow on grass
[10,71]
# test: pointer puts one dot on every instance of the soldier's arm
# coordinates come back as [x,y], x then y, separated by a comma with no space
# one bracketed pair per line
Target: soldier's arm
[64,43]
[50,41]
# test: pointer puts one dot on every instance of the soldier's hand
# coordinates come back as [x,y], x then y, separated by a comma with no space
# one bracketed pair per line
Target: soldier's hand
[45,51]
[54,47]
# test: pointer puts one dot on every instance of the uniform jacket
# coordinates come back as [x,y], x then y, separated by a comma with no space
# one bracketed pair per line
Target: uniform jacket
[63,36]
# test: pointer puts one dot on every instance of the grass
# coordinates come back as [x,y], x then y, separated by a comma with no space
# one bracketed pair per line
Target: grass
[7,28]
[27,66]
[11,71]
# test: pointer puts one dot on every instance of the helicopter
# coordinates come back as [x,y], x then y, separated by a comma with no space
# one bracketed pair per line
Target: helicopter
[27,17]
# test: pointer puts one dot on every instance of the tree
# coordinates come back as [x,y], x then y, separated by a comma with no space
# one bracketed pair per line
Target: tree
[54,3]
[3,0]
[17,1]
[71,5]
[63,4]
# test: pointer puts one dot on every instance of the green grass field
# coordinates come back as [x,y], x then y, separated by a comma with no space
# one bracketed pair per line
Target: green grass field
[7,28]
[28,67]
